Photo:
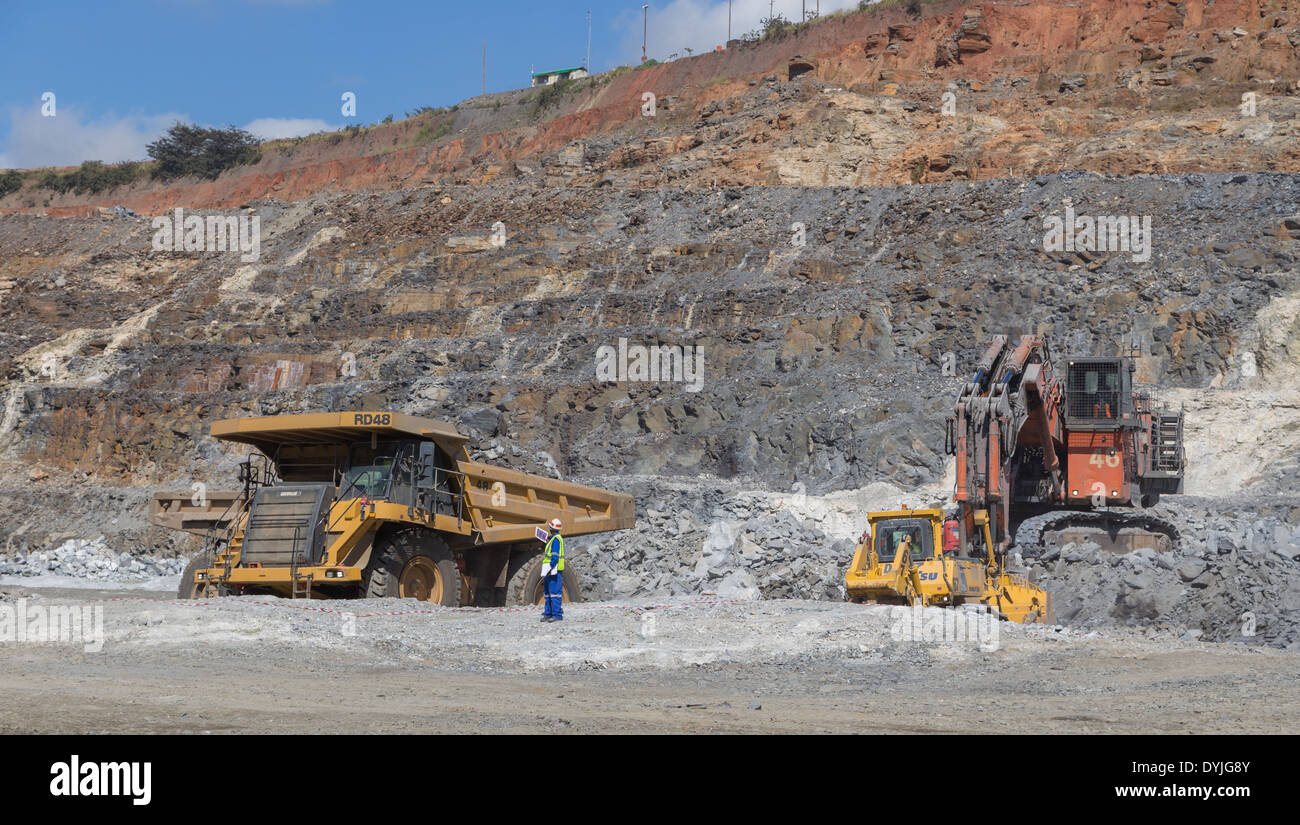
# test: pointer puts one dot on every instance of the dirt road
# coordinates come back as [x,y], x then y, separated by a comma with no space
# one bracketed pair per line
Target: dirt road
[247,665]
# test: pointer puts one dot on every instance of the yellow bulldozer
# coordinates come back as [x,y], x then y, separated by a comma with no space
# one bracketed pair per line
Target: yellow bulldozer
[901,560]
[377,504]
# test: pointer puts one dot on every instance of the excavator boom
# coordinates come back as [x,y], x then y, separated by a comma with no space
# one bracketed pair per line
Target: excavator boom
[1042,457]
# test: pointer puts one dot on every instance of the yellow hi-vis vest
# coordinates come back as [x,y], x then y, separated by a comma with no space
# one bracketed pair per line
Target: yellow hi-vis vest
[554,552]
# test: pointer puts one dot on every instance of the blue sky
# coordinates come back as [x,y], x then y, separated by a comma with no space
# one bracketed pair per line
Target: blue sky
[123,70]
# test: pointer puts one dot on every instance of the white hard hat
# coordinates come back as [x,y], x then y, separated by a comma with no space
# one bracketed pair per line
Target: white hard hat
[555,525]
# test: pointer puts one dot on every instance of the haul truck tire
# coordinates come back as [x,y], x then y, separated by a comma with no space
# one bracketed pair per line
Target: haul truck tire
[190,588]
[524,585]
[412,565]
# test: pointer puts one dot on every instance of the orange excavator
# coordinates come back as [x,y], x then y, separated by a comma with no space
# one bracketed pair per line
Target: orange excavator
[1043,457]
[1075,456]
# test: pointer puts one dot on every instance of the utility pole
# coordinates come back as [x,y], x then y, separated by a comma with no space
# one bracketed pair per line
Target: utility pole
[588,66]
[729,2]
[485,67]
[645,29]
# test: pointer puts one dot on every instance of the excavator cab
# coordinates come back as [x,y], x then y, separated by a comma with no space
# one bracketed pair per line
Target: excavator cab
[1097,390]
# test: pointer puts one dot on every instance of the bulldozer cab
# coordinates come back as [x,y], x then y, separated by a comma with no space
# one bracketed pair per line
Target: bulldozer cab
[891,534]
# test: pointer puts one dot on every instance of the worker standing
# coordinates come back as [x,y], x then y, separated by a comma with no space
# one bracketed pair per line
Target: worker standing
[552,574]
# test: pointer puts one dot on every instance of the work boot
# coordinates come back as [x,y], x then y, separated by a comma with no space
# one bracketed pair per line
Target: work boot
[546,619]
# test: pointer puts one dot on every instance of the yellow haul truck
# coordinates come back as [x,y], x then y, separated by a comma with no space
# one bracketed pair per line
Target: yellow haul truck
[900,560]
[377,504]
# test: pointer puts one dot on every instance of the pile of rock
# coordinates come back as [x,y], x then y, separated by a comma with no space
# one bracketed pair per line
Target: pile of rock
[88,559]
[736,549]
[1235,578]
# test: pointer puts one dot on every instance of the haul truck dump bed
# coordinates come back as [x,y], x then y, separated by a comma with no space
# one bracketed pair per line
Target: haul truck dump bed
[377,504]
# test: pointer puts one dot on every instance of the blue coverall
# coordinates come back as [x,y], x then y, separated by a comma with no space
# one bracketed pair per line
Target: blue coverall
[552,585]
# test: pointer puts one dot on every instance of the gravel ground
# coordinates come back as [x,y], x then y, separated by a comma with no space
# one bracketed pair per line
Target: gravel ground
[698,665]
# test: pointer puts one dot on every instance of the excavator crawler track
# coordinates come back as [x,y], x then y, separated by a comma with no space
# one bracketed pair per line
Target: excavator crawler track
[1114,532]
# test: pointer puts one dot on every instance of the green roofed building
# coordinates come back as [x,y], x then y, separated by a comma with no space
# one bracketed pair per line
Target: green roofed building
[547,78]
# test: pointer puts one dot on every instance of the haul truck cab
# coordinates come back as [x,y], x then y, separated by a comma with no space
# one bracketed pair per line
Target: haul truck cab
[378,504]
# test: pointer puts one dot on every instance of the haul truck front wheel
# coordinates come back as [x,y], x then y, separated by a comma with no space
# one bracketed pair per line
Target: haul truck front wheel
[412,565]
[192,588]
[524,585]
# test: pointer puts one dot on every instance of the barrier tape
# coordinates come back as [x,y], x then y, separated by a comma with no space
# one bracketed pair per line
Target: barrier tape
[289,605]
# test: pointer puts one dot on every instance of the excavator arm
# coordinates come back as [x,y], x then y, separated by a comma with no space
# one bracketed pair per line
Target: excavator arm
[1012,400]
[1024,442]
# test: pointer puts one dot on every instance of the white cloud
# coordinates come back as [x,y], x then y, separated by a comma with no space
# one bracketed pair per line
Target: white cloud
[702,24]
[278,128]
[67,140]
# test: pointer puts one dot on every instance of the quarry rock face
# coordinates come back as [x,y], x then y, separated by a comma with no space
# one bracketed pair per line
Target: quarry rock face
[860,103]
[970,38]
[821,257]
